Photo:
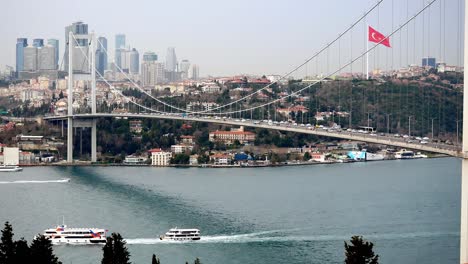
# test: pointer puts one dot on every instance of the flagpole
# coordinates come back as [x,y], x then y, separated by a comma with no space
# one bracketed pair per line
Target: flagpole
[367,53]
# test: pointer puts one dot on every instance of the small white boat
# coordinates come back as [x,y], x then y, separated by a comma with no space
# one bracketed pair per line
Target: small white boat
[10,168]
[71,235]
[178,234]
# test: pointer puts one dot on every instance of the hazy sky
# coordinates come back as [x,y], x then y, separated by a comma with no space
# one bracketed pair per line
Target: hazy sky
[242,36]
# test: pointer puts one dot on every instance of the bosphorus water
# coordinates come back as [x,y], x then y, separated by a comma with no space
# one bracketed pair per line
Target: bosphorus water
[410,210]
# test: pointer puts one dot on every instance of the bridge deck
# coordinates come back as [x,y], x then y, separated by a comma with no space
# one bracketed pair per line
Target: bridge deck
[377,139]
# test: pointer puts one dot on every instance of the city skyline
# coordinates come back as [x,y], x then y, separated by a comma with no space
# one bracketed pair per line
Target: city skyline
[238,44]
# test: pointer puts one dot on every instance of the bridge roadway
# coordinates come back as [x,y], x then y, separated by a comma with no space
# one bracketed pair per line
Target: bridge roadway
[386,139]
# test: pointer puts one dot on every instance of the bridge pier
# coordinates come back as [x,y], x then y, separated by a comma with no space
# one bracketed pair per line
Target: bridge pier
[93,142]
[70,140]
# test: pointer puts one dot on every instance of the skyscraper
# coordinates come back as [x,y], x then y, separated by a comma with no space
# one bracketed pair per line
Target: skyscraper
[152,73]
[429,62]
[77,28]
[38,43]
[184,67]
[134,61]
[171,60]
[194,72]
[149,56]
[101,55]
[21,43]
[55,44]
[46,58]
[119,41]
[30,59]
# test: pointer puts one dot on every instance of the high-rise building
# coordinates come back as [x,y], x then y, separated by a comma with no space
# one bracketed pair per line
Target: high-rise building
[55,44]
[101,55]
[46,58]
[134,57]
[149,56]
[30,59]
[120,41]
[429,62]
[194,72]
[184,67]
[78,28]
[171,60]
[152,73]
[21,43]
[38,43]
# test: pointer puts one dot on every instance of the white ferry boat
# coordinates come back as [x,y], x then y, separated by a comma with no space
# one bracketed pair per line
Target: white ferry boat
[70,235]
[178,234]
[405,154]
[9,168]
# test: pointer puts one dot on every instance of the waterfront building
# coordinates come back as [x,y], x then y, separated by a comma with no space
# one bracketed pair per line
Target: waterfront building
[134,160]
[30,59]
[228,137]
[11,156]
[21,43]
[160,157]
[171,60]
[221,159]
[55,43]
[78,28]
[181,148]
[120,41]
[38,43]
[134,60]
[184,67]
[46,58]
[149,57]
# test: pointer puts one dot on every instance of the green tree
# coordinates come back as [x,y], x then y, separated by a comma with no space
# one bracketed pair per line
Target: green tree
[7,246]
[155,260]
[41,251]
[360,252]
[115,251]
[22,252]
[306,156]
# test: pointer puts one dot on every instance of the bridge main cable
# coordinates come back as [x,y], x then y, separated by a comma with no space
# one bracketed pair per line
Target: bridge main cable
[209,112]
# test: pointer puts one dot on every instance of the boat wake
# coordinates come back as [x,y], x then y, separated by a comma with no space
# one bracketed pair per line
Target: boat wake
[45,181]
[274,236]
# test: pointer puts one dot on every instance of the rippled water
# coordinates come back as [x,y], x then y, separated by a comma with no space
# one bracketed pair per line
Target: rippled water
[409,209]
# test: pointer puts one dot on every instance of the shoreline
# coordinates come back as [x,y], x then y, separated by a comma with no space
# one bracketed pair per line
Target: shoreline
[209,165]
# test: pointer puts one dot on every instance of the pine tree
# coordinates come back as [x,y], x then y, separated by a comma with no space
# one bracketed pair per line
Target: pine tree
[115,251]
[41,251]
[7,246]
[197,261]
[22,252]
[360,252]
[155,260]
[108,253]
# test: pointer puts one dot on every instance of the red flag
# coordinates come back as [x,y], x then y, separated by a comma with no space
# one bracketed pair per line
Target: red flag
[377,37]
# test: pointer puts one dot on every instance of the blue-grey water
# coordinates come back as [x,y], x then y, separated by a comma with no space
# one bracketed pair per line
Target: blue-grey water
[408,209]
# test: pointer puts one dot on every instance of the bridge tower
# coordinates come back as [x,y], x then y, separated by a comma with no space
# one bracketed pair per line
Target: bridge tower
[73,76]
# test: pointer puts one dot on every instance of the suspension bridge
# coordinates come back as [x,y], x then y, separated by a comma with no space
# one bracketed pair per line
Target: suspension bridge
[414,29]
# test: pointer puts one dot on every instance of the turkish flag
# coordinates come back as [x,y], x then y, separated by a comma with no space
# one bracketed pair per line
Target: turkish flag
[377,37]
